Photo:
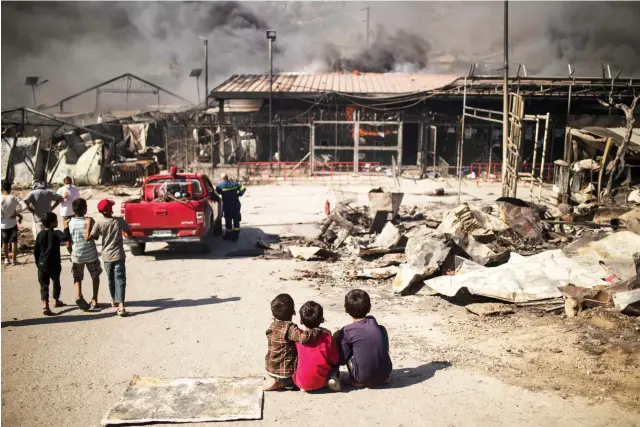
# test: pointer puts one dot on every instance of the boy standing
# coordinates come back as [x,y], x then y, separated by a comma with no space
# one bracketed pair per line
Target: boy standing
[47,258]
[83,254]
[316,357]
[11,208]
[363,345]
[111,228]
[282,335]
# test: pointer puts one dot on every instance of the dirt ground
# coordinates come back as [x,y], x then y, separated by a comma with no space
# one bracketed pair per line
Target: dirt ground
[206,316]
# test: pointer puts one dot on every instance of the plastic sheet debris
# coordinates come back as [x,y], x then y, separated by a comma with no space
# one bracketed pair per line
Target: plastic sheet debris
[628,302]
[465,220]
[389,237]
[309,252]
[522,278]
[408,277]
[425,255]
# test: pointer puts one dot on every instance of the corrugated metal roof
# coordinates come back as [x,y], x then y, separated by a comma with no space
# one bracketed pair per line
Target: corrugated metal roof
[617,133]
[362,83]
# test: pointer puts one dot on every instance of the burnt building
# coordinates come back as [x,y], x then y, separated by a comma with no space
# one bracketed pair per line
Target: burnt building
[412,119]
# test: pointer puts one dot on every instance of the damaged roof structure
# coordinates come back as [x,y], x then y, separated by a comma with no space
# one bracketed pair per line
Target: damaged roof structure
[412,119]
[122,141]
[29,141]
[590,149]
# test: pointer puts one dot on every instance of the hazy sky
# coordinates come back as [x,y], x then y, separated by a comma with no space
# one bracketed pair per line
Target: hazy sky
[78,44]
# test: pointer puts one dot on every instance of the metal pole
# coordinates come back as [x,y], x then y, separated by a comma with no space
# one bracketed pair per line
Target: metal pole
[312,147]
[206,75]
[544,153]
[435,143]
[533,162]
[461,146]
[165,130]
[356,142]
[505,90]
[198,87]
[368,19]
[400,143]
[569,104]
[279,142]
[33,89]
[270,98]
[490,151]
[420,146]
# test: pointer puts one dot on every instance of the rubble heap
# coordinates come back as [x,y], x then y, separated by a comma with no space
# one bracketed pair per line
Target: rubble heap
[510,250]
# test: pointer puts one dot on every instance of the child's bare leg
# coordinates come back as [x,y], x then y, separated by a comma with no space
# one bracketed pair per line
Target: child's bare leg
[14,251]
[5,249]
[96,287]
[78,286]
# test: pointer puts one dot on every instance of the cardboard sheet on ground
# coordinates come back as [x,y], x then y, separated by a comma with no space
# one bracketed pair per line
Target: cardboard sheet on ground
[522,278]
[187,400]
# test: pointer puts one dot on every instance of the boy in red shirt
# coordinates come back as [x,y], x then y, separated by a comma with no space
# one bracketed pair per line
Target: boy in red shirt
[283,335]
[316,357]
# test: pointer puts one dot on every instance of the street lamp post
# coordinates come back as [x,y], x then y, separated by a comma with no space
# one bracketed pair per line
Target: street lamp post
[33,82]
[197,72]
[505,92]
[271,36]
[205,41]
[206,71]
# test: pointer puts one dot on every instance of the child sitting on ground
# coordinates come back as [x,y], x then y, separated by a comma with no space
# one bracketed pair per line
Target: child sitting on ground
[47,259]
[315,358]
[282,335]
[363,345]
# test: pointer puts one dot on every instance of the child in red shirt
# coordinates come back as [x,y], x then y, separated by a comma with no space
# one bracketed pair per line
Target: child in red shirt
[316,357]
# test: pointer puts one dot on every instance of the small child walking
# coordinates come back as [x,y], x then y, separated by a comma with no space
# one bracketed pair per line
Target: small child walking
[111,228]
[47,258]
[363,345]
[282,355]
[316,357]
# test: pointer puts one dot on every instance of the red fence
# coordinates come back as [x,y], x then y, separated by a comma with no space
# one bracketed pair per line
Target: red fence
[302,171]
[493,171]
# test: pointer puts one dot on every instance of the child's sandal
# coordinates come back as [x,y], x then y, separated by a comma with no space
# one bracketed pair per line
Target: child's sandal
[82,304]
[47,311]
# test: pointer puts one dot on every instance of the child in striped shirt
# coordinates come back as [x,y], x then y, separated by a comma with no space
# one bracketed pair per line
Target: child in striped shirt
[83,254]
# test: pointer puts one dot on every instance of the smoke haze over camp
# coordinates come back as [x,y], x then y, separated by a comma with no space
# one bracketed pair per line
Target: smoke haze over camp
[78,44]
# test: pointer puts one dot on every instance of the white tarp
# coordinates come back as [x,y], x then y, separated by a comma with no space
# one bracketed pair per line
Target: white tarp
[539,276]
[522,278]
[87,169]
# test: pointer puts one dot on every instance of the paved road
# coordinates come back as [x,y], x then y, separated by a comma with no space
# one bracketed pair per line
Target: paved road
[206,316]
